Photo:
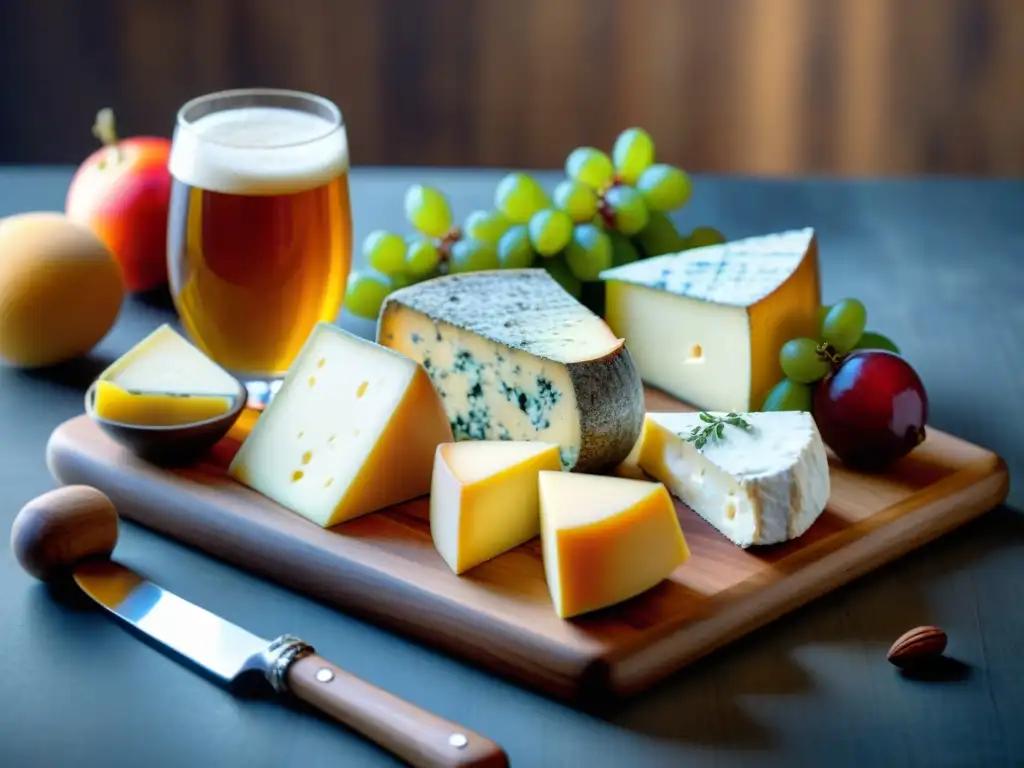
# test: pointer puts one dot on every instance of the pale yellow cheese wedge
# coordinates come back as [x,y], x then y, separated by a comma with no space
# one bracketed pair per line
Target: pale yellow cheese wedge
[484,499]
[605,539]
[352,430]
[155,409]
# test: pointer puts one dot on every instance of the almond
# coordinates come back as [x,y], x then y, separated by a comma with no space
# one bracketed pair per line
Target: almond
[916,645]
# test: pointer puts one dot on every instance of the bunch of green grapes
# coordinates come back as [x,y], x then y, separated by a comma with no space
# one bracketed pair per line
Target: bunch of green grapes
[436,247]
[619,206]
[804,361]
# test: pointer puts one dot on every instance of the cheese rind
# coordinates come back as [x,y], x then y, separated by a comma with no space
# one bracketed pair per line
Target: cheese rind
[605,539]
[165,362]
[706,325]
[352,430]
[159,409]
[759,486]
[484,499]
[515,357]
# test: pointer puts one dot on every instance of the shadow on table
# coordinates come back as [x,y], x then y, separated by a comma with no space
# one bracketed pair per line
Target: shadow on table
[75,374]
[701,704]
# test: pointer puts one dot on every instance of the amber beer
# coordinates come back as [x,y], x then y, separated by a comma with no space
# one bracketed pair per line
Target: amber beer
[260,228]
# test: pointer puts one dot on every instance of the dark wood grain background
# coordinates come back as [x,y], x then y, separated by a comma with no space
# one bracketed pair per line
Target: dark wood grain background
[752,86]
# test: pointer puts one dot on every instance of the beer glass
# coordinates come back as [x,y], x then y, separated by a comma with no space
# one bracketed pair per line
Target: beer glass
[260,229]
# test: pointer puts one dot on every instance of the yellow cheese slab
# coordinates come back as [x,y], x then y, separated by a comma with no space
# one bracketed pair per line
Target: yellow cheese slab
[605,539]
[484,498]
[155,409]
[352,430]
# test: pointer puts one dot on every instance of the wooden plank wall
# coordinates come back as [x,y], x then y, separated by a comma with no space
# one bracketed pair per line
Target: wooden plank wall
[858,87]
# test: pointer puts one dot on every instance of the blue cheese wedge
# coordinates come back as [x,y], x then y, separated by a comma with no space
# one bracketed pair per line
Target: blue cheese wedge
[515,357]
[761,485]
[706,325]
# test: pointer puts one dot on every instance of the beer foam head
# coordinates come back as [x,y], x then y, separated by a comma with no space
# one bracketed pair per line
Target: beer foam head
[259,151]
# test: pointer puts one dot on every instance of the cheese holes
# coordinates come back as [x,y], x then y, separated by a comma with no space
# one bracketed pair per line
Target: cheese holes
[306,457]
[321,362]
[297,475]
[695,354]
[329,482]
[730,510]
[312,381]
[362,389]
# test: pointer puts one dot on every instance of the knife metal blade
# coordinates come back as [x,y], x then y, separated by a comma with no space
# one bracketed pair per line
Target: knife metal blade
[221,648]
[226,651]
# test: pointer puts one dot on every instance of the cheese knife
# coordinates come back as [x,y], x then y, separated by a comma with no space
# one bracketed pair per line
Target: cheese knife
[73,531]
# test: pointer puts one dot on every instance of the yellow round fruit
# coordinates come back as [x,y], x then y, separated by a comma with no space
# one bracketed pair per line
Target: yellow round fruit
[60,289]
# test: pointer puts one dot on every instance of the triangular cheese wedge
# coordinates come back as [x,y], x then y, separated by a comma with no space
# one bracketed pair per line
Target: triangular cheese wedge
[515,357]
[484,500]
[165,362]
[707,324]
[759,485]
[605,539]
[352,430]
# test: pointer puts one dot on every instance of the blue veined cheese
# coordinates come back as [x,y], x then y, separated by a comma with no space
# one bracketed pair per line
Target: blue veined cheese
[515,357]
[762,485]
[706,325]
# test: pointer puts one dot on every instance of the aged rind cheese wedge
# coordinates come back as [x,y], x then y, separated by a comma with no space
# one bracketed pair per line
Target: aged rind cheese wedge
[484,499]
[605,539]
[706,325]
[762,485]
[352,430]
[515,357]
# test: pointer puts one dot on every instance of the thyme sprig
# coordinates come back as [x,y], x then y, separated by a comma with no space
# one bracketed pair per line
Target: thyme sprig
[714,427]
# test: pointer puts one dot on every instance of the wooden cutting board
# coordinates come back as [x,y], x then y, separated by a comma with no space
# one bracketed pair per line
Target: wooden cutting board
[383,567]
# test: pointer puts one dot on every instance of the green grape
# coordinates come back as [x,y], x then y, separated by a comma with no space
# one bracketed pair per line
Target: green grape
[789,396]
[422,257]
[427,210]
[659,236]
[559,270]
[703,236]
[664,187]
[488,226]
[399,280]
[628,208]
[822,313]
[365,292]
[844,324]
[576,199]
[589,252]
[384,252]
[550,231]
[623,250]
[589,166]
[468,255]
[514,248]
[873,340]
[800,361]
[519,196]
[632,154]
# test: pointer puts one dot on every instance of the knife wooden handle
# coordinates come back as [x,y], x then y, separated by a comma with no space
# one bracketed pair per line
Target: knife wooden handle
[417,736]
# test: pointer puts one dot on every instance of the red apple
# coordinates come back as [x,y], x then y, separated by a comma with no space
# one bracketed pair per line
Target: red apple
[122,193]
[872,409]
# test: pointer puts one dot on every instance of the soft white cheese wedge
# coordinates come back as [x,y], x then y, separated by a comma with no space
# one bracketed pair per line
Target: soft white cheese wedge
[762,485]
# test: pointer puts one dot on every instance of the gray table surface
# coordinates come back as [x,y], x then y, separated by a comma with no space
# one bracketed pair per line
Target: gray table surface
[940,266]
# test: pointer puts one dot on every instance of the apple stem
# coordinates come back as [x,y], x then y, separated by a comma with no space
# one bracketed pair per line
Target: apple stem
[103,129]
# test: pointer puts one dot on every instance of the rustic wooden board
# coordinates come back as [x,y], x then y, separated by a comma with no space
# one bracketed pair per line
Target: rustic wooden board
[383,567]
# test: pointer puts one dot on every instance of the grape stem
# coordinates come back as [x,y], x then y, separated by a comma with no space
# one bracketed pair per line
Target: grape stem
[444,248]
[827,352]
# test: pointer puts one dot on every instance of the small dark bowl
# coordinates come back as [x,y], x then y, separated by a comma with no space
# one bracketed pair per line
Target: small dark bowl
[175,445]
